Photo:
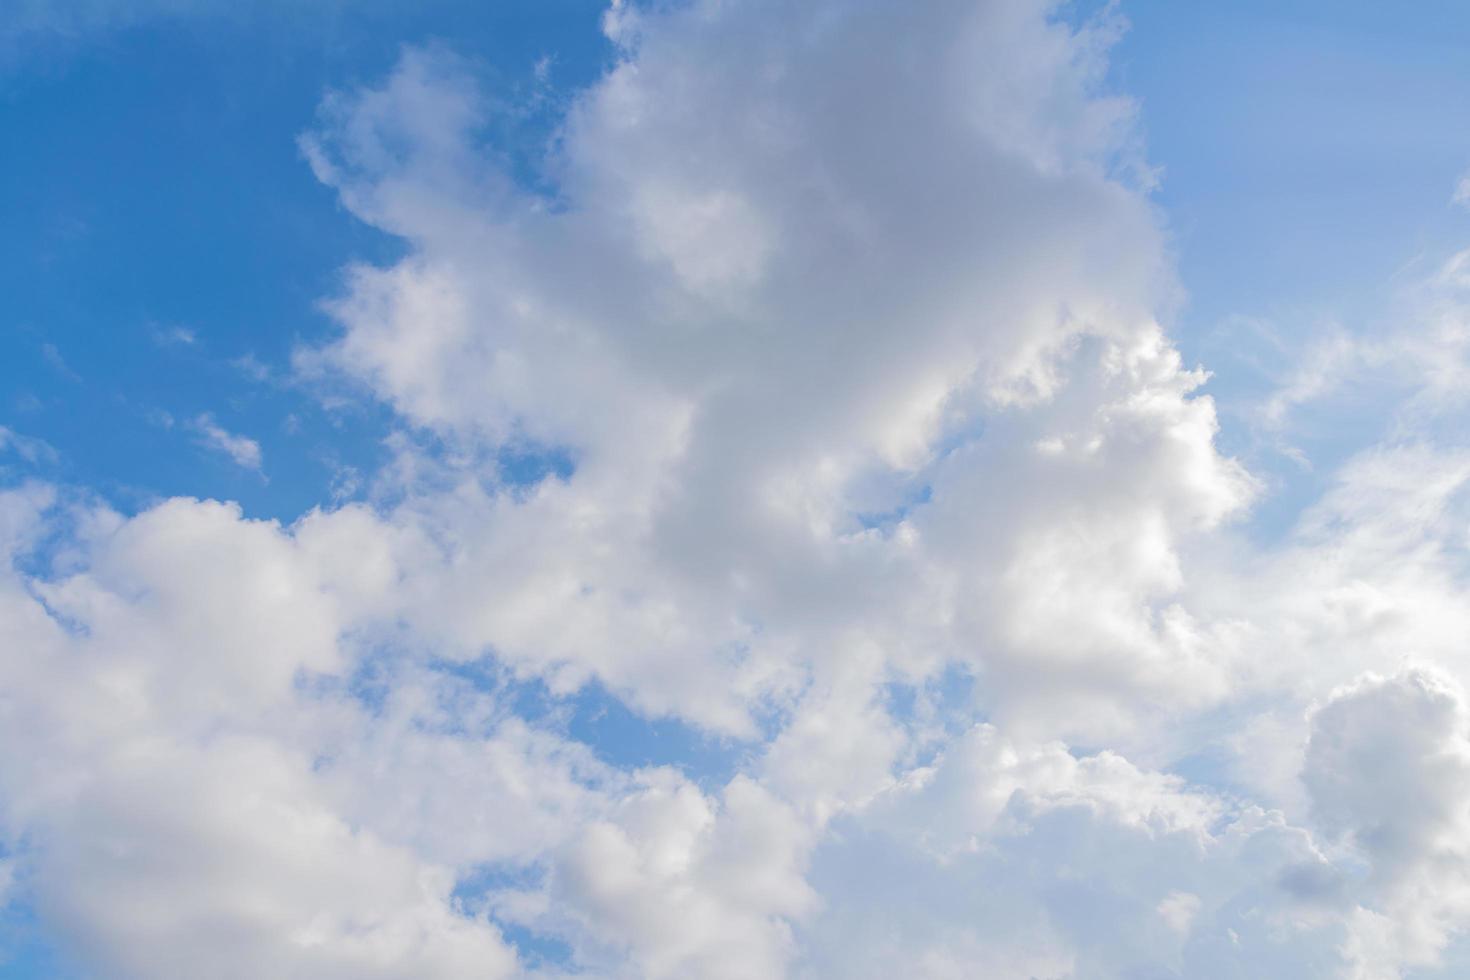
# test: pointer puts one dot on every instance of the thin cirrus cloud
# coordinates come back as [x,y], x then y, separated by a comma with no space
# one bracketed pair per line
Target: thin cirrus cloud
[877,467]
[242,450]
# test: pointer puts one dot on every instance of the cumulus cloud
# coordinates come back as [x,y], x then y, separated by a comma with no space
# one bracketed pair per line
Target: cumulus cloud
[169,801]
[867,455]
[772,304]
[1388,770]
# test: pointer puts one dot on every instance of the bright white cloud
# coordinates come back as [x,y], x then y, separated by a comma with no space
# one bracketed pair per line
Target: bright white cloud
[884,470]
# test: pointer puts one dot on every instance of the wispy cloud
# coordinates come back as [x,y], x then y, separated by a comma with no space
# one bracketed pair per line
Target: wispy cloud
[242,449]
[28,448]
[174,336]
[252,368]
[53,357]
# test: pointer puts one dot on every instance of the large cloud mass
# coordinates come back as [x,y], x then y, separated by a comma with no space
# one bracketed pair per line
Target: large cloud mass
[823,414]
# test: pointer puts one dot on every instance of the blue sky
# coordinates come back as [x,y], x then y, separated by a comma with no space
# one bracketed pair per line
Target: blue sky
[154,191]
[440,445]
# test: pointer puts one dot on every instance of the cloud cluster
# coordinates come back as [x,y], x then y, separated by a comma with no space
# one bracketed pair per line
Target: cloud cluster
[825,410]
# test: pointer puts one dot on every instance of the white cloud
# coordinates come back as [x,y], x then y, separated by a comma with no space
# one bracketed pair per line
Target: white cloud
[173,336]
[1026,861]
[848,318]
[242,449]
[1462,191]
[874,272]
[167,797]
[28,448]
[1388,770]
[1178,910]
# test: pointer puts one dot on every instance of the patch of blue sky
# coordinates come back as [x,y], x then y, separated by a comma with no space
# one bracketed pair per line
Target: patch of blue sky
[167,247]
[48,552]
[885,503]
[514,466]
[617,734]
[27,952]
[935,709]
[482,891]
[886,520]
[155,263]
[620,735]
[1308,155]
[626,738]
[527,464]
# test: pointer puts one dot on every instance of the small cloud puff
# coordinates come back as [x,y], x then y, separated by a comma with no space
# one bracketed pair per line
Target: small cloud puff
[1462,192]
[242,449]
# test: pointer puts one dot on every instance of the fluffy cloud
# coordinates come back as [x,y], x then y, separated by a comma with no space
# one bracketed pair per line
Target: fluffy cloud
[202,787]
[795,283]
[1388,769]
[167,799]
[855,443]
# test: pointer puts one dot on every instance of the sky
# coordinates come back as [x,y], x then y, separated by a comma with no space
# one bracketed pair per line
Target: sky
[731,489]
